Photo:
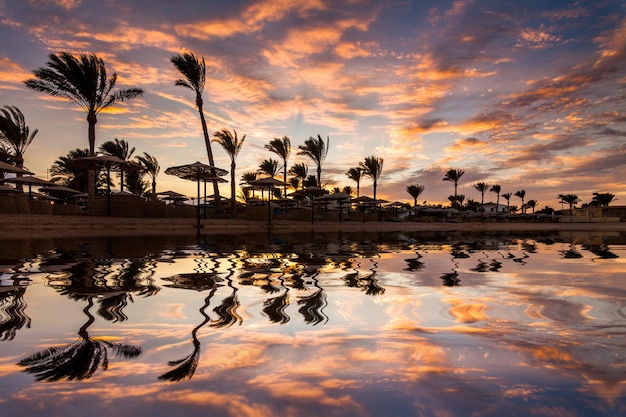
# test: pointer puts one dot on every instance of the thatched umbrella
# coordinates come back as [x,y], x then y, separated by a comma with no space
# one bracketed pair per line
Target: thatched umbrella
[197,172]
[6,167]
[313,191]
[268,182]
[28,180]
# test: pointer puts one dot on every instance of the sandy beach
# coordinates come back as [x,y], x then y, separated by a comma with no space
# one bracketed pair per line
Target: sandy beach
[46,226]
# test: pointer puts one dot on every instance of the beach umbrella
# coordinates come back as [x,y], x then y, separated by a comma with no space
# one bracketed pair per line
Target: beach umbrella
[340,198]
[8,189]
[268,182]
[28,180]
[313,191]
[6,167]
[197,172]
[106,162]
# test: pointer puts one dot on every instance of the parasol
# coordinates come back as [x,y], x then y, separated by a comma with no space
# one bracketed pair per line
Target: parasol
[268,182]
[313,191]
[6,167]
[30,181]
[197,172]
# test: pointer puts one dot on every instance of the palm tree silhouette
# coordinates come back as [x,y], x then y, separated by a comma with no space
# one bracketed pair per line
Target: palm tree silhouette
[571,199]
[282,148]
[193,70]
[78,360]
[355,174]
[454,175]
[151,167]
[64,172]
[482,188]
[532,204]
[300,172]
[415,190]
[602,199]
[521,194]
[316,149]
[81,79]
[232,145]
[15,134]
[313,304]
[372,167]
[507,197]
[120,149]
[12,312]
[496,189]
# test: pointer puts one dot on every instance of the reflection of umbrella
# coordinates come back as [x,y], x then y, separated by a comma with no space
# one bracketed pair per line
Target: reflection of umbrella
[197,171]
[30,181]
[268,182]
[6,167]
[107,162]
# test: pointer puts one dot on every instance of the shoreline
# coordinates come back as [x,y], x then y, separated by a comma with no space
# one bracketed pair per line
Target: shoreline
[19,226]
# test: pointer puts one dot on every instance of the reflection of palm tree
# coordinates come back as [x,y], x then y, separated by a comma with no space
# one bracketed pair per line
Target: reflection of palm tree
[78,360]
[275,307]
[12,313]
[227,310]
[370,283]
[313,304]
[601,250]
[186,367]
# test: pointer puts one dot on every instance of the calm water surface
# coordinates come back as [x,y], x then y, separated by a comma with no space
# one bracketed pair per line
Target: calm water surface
[310,325]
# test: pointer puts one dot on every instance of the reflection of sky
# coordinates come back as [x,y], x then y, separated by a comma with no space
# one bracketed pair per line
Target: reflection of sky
[539,335]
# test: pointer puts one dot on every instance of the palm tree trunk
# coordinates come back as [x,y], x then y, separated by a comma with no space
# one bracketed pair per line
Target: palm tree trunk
[209,152]
[233,206]
[91,173]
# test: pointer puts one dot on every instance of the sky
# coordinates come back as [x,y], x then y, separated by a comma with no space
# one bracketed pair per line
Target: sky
[529,95]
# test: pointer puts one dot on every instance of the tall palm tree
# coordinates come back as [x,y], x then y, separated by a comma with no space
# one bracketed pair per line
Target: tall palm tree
[355,174]
[532,204]
[373,168]
[415,190]
[521,194]
[232,145]
[482,188]
[496,189]
[118,148]
[151,167]
[81,79]
[15,133]
[193,70]
[316,149]
[299,171]
[507,197]
[454,175]
[282,148]
[602,199]
[269,167]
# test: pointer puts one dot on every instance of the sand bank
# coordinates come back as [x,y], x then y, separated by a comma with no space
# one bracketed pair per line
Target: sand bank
[46,226]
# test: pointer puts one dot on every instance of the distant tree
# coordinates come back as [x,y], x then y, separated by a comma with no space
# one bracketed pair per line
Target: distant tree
[496,189]
[232,144]
[63,172]
[135,183]
[602,199]
[310,181]
[532,204]
[415,190]
[300,172]
[472,205]
[269,167]
[193,69]
[373,168]
[482,187]
[571,199]
[150,165]
[546,210]
[316,149]
[282,148]
[356,174]
[118,148]
[456,201]
[507,197]
[454,175]
[81,79]
[521,194]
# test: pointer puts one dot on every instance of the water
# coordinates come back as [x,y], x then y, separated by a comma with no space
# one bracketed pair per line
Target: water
[310,325]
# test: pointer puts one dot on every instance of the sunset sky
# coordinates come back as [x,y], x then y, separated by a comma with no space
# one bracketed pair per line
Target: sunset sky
[529,94]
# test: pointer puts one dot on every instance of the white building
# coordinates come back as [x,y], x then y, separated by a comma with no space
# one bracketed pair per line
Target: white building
[494,208]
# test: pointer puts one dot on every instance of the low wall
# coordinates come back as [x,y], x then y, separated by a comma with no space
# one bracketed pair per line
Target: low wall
[588,219]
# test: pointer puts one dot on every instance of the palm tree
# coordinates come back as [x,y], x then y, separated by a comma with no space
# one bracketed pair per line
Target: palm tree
[151,167]
[316,149]
[373,168]
[119,149]
[282,148]
[507,197]
[454,175]
[300,172]
[532,204]
[482,187]
[15,133]
[496,189]
[269,167]
[521,194]
[135,183]
[64,172]
[232,145]
[602,199]
[355,174]
[83,80]
[193,70]
[415,190]
[571,199]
